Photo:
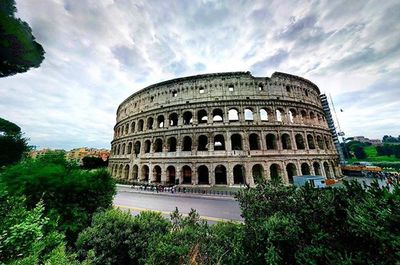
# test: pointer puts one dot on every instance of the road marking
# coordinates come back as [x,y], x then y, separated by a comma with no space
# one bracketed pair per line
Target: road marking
[208,218]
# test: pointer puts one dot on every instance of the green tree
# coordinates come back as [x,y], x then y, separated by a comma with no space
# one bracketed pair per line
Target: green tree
[12,144]
[359,152]
[92,162]
[18,49]
[70,195]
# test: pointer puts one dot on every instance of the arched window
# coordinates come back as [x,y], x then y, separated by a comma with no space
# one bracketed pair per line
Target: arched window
[220,175]
[327,143]
[158,145]
[217,115]
[320,142]
[202,144]
[186,175]
[137,147]
[172,144]
[187,143]
[129,148]
[310,141]
[291,171]
[160,121]
[133,125]
[147,146]
[279,115]
[145,173]
[202,90]
[303,116]
[248,115]
[187,118]
[275,173]
[233,115]
[140,125]
[171,175]
[327,170]
[271,141]
[135,172]
[263,115]
[305,169]
[300,141]
[286,142]
[202,116]
[202,174]
[219,142]
[123,149]
[317,168]
[258,173]
[156,174]
[292,115]
[236,142]
[119,149]
[126,172]
[254,141]
[173,119]
[238,174]
[120,171]
[150,122]
[126,129]
[312,117]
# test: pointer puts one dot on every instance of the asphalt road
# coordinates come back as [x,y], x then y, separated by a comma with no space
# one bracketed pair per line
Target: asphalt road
[210,209]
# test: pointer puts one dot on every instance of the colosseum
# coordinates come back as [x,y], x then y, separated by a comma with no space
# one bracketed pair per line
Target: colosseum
[223,129]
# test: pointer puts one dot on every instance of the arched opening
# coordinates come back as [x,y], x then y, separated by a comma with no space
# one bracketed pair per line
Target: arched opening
[137,147]
[327,143]
[271,141]
[127,129]
[160,121]
[312,117]
[303,114]
[263,115]
[187,118]
[120,171]
[238,174]
[320,142]
[218,115]
[133,127]
[317,168]
[300,141]
[172,144]
[279,115]
[158,145]
[275,173]
[254,141]
[219,142]
[123,149]
[202,116]
[292,115]
[187,143]
[135,172]
[119,149]
[258,173]
[129,148]
[291,171]
[171,175]
[286,143]
[140,125]
[202,174]
[126,172]
[145,173]
[248,115]
[147,146]
[233,115]
[327,170]
[150,122]
[202,144]
[202,90]
[157,174]
[305,169]
[173,119]
[236,142]
[310,141]
[220,175]
[186,175]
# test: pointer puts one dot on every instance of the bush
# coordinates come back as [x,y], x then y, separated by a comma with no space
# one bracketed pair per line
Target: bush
[70,195]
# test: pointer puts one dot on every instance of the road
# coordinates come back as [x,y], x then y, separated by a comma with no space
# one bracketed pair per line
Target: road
[210,209]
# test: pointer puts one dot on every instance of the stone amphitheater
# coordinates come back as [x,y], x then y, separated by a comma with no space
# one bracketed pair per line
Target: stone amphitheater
[223,129]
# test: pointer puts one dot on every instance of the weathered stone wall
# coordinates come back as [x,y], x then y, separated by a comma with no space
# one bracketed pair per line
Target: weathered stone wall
[240,128]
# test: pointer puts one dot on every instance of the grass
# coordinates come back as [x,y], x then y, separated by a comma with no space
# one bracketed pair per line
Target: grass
[372,156]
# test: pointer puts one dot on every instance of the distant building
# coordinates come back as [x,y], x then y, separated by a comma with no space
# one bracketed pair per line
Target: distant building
[363,139]
[76,154]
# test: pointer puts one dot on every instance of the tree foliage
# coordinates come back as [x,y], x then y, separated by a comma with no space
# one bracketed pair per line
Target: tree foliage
[18,49]
[92,162]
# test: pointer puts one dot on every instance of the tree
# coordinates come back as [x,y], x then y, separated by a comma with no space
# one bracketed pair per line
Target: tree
[12,144]
[92,162]
[18,49]
[359,152]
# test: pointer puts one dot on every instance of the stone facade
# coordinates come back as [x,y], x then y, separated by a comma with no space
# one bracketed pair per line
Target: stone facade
[223,129]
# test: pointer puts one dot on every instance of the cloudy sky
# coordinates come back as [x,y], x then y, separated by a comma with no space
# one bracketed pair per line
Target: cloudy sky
[98,52]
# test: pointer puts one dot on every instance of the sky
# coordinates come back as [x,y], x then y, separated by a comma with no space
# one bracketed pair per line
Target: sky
[98,52]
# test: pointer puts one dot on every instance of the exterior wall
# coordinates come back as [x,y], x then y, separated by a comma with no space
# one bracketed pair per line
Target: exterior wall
[292,98]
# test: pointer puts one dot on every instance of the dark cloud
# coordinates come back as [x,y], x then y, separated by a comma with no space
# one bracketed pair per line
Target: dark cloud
[271,62]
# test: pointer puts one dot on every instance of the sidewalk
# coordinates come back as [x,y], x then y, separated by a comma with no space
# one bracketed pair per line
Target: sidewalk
[128,188]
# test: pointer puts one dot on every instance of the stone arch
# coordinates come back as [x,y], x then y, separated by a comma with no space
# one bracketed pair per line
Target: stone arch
[123,149]
[271,141]
[173,119]
[279,115]
[310,141]
[254,142]
[236,142]
[158,145]
[303,114]
[171,175]
[129,151]
[120,171]
[202,144]
[150,121]
[187,118]
[140,125]
[292,115]
[187,143]
[202,116]
[263,115]
[239,174]
[286,142]
[137,147]
[156,174]
[258,173]
[248,114]
[300,141]
[135,172]
[275,172]
[317,169]
[305,169]
[327,170]
[312,117]
[218,115]
[145,173]
[126,128]
[202,174]
[133,127]
[320,142]
[220,175]
[219,142]
[291,171]
[160,121]
[233,114]
[327,143]
[119,149]
[172,144]
[186,175]
[147,146]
